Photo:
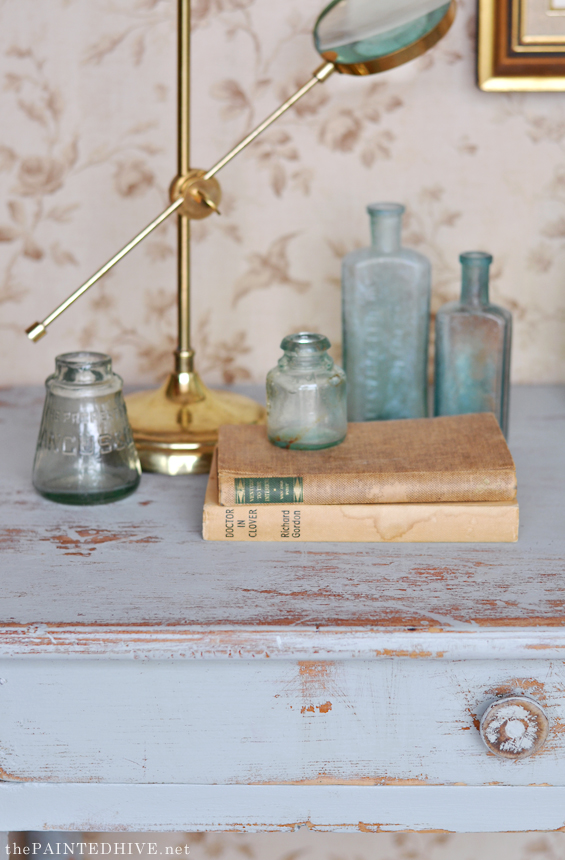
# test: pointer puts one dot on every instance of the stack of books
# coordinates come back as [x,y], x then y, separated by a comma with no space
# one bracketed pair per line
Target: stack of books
[424,480]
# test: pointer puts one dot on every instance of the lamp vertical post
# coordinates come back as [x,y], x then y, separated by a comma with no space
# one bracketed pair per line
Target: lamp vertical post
[183,353]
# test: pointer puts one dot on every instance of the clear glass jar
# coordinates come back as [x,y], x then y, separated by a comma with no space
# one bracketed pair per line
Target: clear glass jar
[386,320]
[85,453]
[306,395]
[473,338]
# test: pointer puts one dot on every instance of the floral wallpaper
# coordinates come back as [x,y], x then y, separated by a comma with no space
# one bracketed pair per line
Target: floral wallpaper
[87,152]
[304,844]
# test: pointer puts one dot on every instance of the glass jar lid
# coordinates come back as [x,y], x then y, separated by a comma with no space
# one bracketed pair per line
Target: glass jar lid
[82,368]
[305,342]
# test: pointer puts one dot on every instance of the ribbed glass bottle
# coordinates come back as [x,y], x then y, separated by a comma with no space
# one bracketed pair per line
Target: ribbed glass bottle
[473,338]
[386,318]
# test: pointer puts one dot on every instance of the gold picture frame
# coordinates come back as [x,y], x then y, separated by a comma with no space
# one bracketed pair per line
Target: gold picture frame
[521,45]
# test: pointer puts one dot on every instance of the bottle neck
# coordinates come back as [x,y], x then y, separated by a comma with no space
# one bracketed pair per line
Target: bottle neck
[305,350]
[475,280]
[306,361]
[386,230]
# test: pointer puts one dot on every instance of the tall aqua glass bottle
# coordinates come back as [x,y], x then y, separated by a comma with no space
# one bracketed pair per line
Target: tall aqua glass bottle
[473,338]
[386,318]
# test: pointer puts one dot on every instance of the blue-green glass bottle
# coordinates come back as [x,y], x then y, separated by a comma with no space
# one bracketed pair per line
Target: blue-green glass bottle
[386,320]
[473,338]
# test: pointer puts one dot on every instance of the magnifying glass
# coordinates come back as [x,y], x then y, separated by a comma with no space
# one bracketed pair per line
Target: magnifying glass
[362,37]
[354,37]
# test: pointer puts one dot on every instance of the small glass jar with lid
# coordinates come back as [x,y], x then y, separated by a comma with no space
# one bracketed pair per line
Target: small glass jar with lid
[306,395]
[85,452]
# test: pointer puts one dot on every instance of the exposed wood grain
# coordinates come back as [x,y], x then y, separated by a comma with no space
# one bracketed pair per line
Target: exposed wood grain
[142,561]
[250,808]
[279,643]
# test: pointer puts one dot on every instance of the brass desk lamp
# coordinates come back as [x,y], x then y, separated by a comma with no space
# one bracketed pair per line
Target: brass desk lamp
[175,427]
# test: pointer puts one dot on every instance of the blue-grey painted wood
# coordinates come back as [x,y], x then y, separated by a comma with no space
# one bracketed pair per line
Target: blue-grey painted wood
[142,560]
[366,722]
[133,652]
[253,808]
[3,843]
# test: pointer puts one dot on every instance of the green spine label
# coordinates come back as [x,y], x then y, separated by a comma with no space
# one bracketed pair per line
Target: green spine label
[269,491]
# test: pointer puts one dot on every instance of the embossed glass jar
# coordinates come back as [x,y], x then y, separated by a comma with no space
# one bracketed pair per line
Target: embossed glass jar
[306,395]
[85,453]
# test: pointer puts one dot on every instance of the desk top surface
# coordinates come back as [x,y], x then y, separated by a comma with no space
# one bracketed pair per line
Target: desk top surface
[142,561]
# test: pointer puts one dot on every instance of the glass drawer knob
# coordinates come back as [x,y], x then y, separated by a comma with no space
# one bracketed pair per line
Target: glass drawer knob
[514,727]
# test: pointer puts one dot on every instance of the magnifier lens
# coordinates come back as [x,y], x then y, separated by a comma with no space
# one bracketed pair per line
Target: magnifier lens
[350,32]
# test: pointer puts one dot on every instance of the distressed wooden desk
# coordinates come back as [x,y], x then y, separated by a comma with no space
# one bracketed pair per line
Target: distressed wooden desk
[149,680]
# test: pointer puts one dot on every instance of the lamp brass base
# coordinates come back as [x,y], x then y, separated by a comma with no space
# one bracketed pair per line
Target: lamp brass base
[175,427]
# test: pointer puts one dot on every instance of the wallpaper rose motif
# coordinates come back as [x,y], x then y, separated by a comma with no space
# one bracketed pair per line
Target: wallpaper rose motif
[87,152]
[304,844]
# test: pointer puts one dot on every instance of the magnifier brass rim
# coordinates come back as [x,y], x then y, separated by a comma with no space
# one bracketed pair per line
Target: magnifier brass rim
[404,55]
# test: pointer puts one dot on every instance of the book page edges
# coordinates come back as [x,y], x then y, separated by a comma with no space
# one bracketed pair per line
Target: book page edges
[464,522]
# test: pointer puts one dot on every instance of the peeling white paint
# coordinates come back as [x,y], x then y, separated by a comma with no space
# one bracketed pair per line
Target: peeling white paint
[280,643]
[521,728]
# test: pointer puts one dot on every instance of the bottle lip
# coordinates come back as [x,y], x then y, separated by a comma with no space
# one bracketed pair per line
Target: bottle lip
[475,257]
[82,368]
[386,208]
[84,359]
[305,342]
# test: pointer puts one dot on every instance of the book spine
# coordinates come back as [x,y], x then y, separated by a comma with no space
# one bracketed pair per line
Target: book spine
[473,522]
[384,488]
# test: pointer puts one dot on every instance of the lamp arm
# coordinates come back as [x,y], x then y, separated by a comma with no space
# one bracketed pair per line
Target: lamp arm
[36,331]
[321,74]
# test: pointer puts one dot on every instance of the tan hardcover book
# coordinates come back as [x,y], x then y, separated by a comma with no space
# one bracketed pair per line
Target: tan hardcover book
[386,523]
[460,458]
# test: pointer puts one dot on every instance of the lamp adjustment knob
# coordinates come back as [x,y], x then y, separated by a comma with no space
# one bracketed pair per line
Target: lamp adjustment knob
[514,727]
[201,196]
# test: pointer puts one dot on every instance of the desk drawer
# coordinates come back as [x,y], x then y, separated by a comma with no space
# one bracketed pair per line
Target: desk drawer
[355,721]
